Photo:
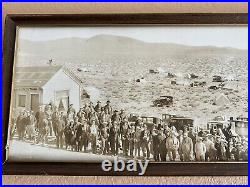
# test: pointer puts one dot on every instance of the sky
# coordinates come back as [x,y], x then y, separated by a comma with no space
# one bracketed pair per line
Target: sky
[220,36]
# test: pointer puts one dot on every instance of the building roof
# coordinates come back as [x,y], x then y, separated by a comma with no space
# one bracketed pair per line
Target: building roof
[37,76]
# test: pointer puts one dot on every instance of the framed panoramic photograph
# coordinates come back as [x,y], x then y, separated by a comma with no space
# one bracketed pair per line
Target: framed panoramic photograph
[125,94]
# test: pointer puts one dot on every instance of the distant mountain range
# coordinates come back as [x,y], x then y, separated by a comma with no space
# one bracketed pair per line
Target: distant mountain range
[101,46]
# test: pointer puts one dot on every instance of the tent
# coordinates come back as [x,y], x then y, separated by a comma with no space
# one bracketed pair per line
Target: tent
[221,100]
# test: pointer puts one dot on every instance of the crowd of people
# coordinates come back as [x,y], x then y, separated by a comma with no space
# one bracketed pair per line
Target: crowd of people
[99,129]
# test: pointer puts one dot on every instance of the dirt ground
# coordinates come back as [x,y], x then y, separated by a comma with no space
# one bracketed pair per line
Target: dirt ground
[115,80]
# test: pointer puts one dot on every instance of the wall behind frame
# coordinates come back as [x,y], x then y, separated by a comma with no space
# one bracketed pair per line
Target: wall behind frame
[78,8]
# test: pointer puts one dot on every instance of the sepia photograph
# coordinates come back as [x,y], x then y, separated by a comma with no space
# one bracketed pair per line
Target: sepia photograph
[142,93]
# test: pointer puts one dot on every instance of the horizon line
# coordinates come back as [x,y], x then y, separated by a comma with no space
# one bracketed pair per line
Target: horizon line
[62,38]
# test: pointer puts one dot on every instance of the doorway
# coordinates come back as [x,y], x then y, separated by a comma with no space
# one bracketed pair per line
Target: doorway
[34,103]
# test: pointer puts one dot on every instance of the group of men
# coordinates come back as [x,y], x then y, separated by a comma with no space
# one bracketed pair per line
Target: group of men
[102,130]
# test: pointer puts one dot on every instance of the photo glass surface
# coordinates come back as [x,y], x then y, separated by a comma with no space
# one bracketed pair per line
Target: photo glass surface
[161,93]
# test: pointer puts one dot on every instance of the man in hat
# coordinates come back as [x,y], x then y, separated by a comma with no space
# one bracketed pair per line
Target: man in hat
[210,149]
[115,117]
[123,116]
[104,117]
[85,135]
[172,145]
[21,125]
[238,151]
[185,128]
[55,118]
[162,145]
[108,108]
[30,129]
[59,125]
[87,112]
[138,131]
[93,135]
[156,142]
[192,135]
[71,112]
[131,140]
[201,133]
[48,115]
[200,149]
[187,148]
[123,120]
[81,114]
[98,108]
[231,150]
[79,136]
[68,134]
[104,139]
[125,138]
[180,138]
[138,122]
[93,116]
[144,139]
[221,147]
[39,115]
[114,139]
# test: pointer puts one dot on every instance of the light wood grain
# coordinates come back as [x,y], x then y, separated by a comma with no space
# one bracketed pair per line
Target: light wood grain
[78,8]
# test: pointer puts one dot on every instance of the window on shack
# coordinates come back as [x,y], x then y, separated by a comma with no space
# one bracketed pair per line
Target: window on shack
[21,100]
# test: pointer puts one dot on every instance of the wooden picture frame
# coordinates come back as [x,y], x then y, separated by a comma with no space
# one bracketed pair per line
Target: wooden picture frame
[92,169]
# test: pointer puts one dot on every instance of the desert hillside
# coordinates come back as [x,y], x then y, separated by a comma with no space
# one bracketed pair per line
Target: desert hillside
[110,67]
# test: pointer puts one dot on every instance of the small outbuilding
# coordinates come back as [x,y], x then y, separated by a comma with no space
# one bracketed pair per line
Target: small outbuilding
[35,86]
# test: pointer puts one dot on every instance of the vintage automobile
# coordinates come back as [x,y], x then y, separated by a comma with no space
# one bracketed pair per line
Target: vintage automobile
[165,118]
[154,71]
[163,101]
[179,122]
[213,88]
[133,117]
[217,78]
[241,126]
[217,123]
[197,83]
[151,121]
[191,76]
